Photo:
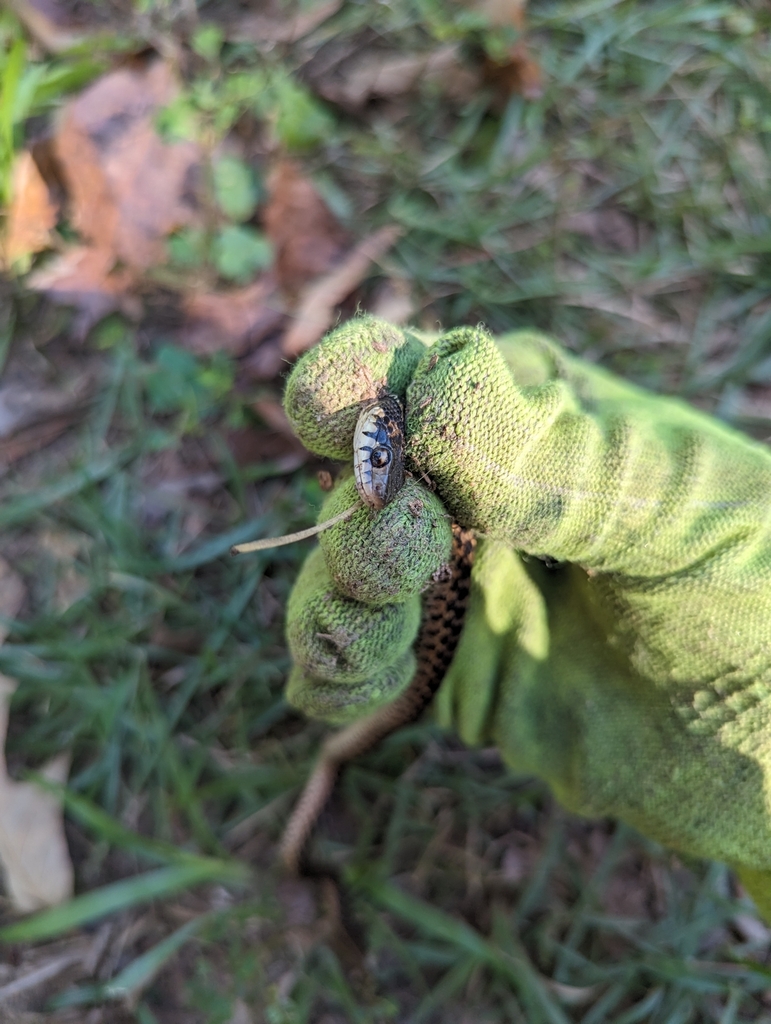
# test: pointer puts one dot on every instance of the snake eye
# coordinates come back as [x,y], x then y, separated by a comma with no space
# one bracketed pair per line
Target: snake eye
[380,458]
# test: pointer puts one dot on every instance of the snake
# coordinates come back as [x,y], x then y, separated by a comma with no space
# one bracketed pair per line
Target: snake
[379,472]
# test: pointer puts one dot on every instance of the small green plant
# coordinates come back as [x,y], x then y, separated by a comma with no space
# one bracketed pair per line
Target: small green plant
[179,384]
[240,252]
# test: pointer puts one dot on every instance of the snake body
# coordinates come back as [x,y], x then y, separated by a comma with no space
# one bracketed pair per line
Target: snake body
[379,472]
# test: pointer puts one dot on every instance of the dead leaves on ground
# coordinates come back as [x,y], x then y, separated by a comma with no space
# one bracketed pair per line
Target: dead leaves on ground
[33,212]
[36,866]
[516,70]
[128,191]
[307,237]
[37,405]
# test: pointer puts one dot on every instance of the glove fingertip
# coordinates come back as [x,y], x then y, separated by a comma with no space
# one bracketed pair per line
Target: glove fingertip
[351,365]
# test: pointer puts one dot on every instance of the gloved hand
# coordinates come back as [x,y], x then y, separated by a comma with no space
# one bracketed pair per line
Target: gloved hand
[634,676]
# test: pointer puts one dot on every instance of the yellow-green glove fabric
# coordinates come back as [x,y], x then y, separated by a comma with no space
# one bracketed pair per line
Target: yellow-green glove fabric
[635,676]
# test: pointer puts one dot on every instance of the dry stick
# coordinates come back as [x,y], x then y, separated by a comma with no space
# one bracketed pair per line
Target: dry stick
[290,538]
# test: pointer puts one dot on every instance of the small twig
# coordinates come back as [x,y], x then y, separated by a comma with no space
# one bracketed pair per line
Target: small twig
[290,538]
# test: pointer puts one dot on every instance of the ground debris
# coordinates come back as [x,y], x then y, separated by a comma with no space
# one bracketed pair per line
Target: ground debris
[32,214]
[307,237]
[127,191]
[33,851]
[234,321]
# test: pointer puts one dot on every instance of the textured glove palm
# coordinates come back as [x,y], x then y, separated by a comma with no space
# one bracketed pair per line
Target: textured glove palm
[635,676]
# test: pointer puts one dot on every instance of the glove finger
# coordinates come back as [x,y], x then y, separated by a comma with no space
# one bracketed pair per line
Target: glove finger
[352,656]
[335,638]
[352,365]
[339,703]
[387,555]
[598,473]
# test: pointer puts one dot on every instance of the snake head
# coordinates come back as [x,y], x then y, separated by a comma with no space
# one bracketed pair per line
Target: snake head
[378,451]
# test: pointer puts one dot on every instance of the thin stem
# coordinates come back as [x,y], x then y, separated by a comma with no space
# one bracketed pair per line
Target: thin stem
[290,538]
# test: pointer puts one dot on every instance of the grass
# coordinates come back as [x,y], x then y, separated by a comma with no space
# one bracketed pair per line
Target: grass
[627,212]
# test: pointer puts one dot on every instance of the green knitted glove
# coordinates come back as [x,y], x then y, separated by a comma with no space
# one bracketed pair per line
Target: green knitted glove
[635,675]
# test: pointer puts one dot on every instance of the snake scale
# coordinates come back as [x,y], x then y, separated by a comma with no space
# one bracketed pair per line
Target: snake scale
[379,472]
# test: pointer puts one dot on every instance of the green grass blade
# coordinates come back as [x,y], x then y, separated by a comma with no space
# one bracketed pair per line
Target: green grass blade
[140,972]
[128,893]
[112,831]
[21,509]
[517,970]
[11,76]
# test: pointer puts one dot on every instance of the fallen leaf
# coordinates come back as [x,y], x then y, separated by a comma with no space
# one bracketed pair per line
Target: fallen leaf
[128,188]
[315,311]
[272,412]
[34,858]
[84,277]
[32,214]
[306,235]
[37,870]
[232,321]
[518,72]
[281,27]
[34,409]
[34,438]
[381,75]
[25,400]
[53,24]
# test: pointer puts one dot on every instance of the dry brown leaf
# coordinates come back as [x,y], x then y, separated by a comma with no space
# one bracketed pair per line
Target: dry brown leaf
[278,443]
[519,72]
[307,237]
[32,214]
[32,439]
[128,188]
[282,28]
[25,400]
[315,311]
[33,852]
[37,870]
[84,277]
[386,75]
[52,23]
[33,413]
[233,321]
